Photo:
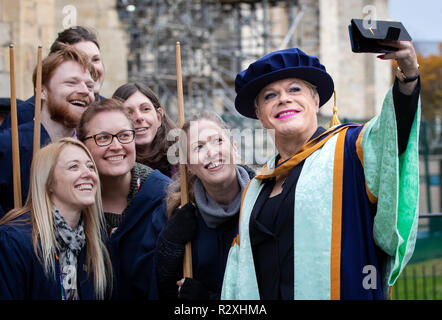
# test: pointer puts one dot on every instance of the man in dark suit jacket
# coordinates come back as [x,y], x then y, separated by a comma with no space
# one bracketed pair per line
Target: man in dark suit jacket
[25,111]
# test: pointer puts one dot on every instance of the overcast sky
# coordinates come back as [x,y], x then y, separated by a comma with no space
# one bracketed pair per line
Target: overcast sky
[421,18]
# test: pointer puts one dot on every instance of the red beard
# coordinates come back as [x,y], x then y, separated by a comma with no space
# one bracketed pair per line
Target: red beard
[61,111]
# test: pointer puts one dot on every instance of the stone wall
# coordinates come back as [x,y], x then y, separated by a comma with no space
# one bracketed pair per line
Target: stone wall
[361,80]
[27,24]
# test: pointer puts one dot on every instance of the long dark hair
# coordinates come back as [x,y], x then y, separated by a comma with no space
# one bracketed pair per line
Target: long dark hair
[74,35]
[155,156]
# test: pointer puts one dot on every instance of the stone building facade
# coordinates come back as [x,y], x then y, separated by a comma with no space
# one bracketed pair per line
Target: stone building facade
[361,80]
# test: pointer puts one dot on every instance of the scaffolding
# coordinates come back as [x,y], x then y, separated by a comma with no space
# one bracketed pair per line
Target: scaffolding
[218,39]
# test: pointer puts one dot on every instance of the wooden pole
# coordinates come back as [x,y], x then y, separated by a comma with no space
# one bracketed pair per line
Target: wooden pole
[14,133]
[187,262]
[37,103]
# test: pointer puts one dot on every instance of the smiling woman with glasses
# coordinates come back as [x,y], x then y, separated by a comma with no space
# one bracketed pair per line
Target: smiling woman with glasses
[132,196]
[103,139]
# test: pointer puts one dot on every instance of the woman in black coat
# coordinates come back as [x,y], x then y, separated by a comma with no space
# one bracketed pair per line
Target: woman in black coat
[52,248]
[209,220]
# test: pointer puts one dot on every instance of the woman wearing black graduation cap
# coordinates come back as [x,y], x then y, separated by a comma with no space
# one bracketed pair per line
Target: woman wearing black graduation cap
[334,214]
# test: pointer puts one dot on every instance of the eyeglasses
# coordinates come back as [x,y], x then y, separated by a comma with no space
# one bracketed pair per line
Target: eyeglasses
[103,139]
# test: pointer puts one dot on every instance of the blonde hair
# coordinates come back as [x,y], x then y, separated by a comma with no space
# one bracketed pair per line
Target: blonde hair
[173,194]
[39,204]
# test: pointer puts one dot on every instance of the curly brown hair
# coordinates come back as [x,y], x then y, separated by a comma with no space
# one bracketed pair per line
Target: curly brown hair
[74,35]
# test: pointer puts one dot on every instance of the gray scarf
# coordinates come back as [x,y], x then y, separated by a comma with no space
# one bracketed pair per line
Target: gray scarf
[213,213]
[69,244]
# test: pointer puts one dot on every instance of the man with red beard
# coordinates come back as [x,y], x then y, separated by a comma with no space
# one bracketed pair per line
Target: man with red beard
[67,90]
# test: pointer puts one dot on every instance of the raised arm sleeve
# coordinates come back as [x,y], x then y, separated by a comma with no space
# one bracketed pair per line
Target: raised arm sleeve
[405,107]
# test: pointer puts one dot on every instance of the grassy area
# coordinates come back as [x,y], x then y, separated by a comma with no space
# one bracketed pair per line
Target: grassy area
[420,281]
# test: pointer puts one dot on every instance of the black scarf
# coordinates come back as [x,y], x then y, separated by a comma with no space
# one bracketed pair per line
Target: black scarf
[69,244]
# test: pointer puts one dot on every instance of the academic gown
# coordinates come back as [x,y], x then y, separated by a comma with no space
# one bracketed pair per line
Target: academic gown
[271,233]
[132,244]
[272,220]
[22,276]
[352,243]
[26,145]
